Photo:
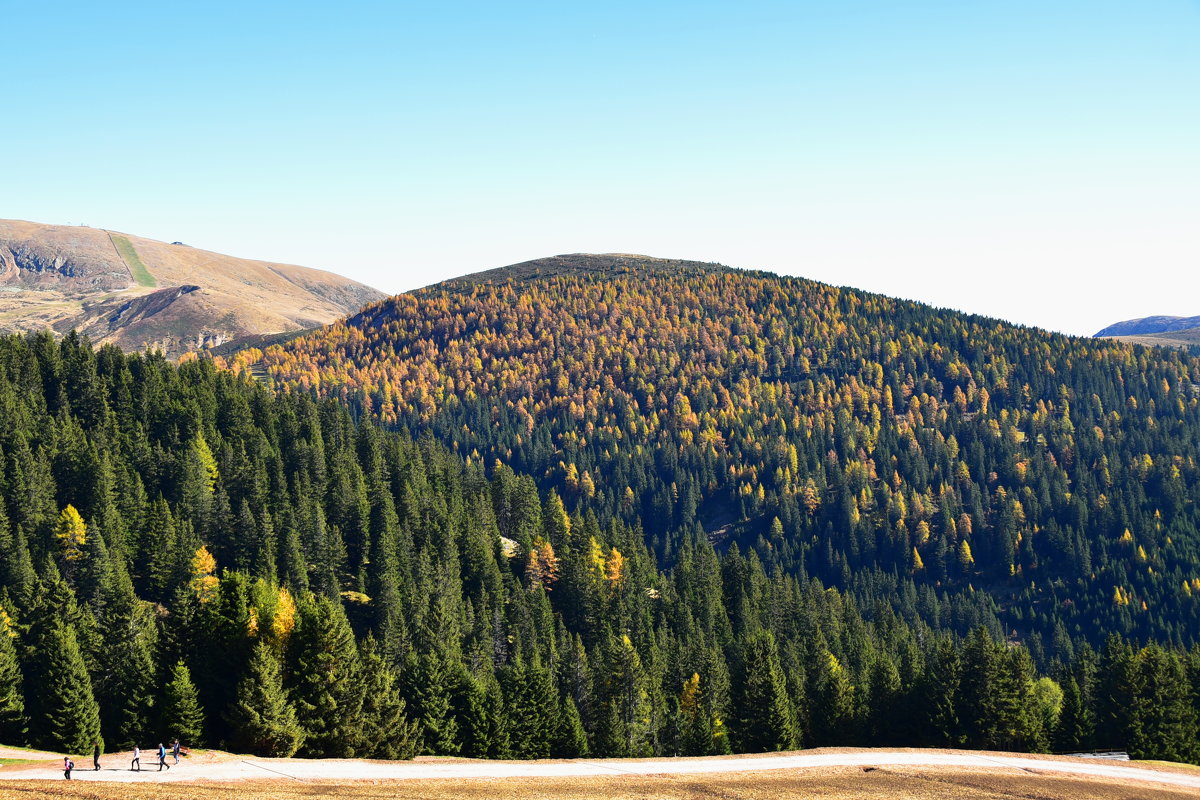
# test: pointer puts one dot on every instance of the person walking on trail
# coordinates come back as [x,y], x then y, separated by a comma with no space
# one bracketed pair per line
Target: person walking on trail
[137,759]
[68,765]
[162,757]
[96,758]
[175,750]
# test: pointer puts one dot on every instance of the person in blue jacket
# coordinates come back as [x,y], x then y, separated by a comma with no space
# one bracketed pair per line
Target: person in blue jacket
[162,757]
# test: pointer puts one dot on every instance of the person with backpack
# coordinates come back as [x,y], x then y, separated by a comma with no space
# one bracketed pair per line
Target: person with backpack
[162,757]
[137,759]
[68,765]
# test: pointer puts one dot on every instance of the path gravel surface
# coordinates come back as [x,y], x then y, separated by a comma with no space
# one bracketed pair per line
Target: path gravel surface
[225,767]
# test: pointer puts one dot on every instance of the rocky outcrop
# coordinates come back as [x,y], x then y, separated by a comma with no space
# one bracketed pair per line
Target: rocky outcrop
[75,278]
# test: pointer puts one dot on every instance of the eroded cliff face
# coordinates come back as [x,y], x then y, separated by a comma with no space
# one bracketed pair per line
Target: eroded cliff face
[145,294]
[61,258]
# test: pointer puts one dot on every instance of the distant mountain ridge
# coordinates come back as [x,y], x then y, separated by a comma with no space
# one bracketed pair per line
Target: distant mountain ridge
[144,294]
[1150,325]
[585,264]
[1157,331]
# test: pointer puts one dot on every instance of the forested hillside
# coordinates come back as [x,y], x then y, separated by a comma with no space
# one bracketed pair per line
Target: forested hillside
[183,553]
[960,469]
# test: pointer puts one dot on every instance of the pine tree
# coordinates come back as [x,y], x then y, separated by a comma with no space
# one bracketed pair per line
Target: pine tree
[832,699]
[262,720]
[326,687]
[386,731]
[695,724]
[12,704]
[1166,724]
[764,717]
[976,700]
[180,715]
[125,683]
[570,739]
[936,695]
[428,683]
[65,717]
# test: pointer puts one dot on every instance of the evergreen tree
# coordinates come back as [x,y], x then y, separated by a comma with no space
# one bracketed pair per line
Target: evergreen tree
[570,739]
[386,731]
[1166,724]
[262,720]
[976,702]
[833,699]
[65,716]
[429,686]
[326,687]
[936,695]
[765,720]
[180,715]
[12,703]
[125,680]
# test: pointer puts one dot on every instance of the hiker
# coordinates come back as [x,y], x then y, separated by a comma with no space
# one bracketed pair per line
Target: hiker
[175,750]
[137,759]
[162,757]
[96,758]
[68,765]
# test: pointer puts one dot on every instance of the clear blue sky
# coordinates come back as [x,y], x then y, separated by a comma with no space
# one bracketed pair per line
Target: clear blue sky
[1034,160]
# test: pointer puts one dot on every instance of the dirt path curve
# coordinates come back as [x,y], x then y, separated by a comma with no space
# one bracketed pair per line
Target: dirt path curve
[233,768]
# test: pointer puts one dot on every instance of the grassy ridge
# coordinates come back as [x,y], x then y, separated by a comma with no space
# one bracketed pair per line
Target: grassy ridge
[136,268]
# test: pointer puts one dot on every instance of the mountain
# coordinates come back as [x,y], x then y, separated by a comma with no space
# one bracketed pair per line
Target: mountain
[1157,331]
[184,552]
[888,448]
[1149,325]
[140,293]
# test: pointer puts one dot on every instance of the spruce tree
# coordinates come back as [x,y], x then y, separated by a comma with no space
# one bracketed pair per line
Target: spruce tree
[764,718]
[832,703]
[1165,725]
[16,568]
[976,699]
[66,717]
[429,684]
[326,688]
[13,726]
[125,680]
[386,730]
[180,714]
[695,724]
[533,710]
[935,697]
[570,739]
[262,720]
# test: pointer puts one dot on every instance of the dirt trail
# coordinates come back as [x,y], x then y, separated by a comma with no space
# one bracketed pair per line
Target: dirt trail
[224,767]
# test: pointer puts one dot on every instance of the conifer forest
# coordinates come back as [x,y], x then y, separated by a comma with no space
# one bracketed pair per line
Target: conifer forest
[651,509]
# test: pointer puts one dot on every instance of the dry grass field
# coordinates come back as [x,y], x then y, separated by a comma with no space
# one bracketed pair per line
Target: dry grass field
[839,783]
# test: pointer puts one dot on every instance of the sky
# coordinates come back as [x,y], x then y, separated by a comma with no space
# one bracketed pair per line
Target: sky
[1034,160]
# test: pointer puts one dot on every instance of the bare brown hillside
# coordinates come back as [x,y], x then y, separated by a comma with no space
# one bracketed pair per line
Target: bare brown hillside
[141,293]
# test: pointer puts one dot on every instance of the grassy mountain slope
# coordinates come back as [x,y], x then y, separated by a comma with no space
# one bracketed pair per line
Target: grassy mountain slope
[879,444]
[1187,339]
[1148,326]
[141,293]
